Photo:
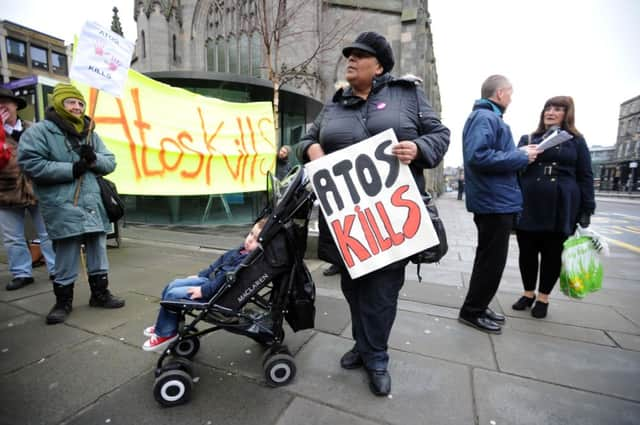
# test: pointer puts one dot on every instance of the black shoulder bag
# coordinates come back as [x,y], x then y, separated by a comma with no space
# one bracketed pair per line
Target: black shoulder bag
[436,252]
[113,204]
[110,198]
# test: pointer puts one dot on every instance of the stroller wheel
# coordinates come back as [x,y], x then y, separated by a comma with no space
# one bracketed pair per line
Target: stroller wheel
[172,388]
[272,350]
[187,348]
[178,363]
[279,369]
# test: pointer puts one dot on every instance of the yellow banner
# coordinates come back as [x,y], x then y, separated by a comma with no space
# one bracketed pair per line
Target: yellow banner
[169,141]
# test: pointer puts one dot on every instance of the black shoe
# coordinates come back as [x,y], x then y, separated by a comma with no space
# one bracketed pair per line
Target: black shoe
[351,360]
[492,315]
[523,302]
[331,270]
[63,306]
[539,310]
[100,295]
[58,313]
[18,283]
[481,323]
[379,381]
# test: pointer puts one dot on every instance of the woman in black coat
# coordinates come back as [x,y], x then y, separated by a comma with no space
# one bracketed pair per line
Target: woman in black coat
[558,194]
[373,102]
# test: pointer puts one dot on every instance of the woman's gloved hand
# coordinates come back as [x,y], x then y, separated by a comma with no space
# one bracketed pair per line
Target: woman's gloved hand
[584,220]
[79,168]
[87,153]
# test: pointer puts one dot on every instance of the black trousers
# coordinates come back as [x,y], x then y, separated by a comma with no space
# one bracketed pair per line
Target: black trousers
[491,256]
[373,302]
[543,250]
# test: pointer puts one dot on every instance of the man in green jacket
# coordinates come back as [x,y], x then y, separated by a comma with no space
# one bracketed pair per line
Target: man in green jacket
[63,156]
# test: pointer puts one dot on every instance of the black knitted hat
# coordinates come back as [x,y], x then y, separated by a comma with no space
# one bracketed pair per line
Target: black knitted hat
[377,45]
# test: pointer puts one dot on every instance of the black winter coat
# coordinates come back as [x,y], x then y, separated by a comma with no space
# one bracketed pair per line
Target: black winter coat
[347,119]
[557,187]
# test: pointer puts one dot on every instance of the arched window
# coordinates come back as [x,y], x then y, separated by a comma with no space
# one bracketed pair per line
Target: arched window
[238,45]
[143,44]
[221,55]
[232,47]
[210,47]
[256,54]
[245,60]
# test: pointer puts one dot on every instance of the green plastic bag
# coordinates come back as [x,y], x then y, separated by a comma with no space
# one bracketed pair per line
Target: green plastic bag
[581,271]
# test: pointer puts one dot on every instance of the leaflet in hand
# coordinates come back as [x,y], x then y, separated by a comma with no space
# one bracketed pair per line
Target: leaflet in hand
[553,139]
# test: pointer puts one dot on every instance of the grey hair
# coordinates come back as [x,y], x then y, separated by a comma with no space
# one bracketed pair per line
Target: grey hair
[492,84]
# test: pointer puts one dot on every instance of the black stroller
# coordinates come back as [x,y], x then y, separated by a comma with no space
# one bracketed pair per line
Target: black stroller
[266,289]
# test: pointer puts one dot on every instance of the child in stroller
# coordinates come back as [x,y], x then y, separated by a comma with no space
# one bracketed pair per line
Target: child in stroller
[200,287]
[270,284]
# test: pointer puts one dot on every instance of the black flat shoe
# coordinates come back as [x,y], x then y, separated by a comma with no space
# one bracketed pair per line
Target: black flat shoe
[523,303]
[492,315]
[379,381]
[331,270]
[539,311]
[18,283]
[351,360]
[481,323]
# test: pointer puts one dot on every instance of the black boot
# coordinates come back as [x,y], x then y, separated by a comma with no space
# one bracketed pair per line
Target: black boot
[62,308]
[100,295]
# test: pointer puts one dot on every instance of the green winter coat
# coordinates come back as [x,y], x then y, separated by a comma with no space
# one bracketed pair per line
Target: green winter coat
[47,157]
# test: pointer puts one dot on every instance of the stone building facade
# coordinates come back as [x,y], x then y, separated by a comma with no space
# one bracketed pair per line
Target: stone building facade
[621,172]
[215,47]
[223,36]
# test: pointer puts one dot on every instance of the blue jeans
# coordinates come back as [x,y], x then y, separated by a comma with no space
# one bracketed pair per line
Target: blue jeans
[18,253]
[68,256]
[167,322]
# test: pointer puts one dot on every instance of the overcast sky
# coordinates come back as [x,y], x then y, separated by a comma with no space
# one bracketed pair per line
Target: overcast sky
[588,49]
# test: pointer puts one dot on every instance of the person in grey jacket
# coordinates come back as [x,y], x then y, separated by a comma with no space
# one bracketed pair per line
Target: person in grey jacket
[374,101]
[491,165]
[63,156]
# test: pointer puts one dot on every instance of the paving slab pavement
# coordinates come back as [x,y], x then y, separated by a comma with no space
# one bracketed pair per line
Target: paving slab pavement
[580,365]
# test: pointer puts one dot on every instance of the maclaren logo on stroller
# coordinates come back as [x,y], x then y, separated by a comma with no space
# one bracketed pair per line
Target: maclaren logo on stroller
[256,284]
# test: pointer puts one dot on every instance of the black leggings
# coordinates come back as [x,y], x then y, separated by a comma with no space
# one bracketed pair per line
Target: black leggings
[542,249]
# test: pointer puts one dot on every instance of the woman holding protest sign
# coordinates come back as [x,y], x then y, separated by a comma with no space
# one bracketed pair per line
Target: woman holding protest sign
[373,102]
[558,194]
[63,156]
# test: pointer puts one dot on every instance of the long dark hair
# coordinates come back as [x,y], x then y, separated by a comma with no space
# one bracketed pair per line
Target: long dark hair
[569,121]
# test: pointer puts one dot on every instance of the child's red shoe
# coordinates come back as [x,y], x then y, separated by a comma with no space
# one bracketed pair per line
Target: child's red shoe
[158,343]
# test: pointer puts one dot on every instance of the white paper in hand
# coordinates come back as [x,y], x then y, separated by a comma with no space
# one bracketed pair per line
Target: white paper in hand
[554,139]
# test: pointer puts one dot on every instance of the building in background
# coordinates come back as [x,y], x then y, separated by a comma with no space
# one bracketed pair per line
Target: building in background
[600,156]
[31,63]
[621,172]
[215,48]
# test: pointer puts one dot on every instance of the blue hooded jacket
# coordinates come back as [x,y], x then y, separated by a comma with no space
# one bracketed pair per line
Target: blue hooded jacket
[217,271]
[491,162]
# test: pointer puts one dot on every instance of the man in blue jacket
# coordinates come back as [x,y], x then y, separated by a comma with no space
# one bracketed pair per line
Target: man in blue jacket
[491,164]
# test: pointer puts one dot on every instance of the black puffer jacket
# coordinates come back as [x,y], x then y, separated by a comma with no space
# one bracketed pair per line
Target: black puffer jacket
[396,103]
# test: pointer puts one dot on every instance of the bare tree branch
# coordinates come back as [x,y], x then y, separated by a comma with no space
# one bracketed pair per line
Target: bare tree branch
[277,20]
